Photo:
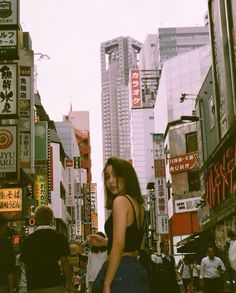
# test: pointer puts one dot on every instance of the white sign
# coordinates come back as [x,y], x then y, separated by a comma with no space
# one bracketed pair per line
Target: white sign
[8,38]
[187,204]
[25,149]
[161,196]
[9,13]
[8,149]
[70,201]
[162,224]
[8,89]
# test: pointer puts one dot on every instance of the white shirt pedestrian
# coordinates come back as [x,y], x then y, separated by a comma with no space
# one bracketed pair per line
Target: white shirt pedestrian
[210,268]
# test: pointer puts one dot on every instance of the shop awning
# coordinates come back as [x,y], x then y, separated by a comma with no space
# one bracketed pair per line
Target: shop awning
[196,243]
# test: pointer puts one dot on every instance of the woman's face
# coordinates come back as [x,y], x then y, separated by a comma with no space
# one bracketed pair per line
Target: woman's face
[114,184]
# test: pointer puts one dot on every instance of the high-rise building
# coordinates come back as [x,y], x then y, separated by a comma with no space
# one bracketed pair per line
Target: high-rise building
[118,56]
[172,41]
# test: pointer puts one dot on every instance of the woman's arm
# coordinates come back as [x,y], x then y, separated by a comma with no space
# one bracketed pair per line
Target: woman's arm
[120,218]
[97,240]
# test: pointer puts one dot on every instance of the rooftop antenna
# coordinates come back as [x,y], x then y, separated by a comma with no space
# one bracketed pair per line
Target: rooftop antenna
[70,105]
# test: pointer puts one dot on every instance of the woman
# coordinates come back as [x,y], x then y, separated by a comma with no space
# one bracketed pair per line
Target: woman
[96,258]
[124,228]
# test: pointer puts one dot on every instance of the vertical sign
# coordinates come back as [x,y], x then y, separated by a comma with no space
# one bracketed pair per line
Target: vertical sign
[135,89]
[25,116]
[41,189]
[8,149]
[9,12]
[8,89]
[162,221]
[70,192]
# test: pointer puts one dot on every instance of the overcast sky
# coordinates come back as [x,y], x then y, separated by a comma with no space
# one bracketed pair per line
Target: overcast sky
[70,33]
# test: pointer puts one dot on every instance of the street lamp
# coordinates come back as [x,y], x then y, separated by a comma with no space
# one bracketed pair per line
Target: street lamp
[42,56]
[183,97]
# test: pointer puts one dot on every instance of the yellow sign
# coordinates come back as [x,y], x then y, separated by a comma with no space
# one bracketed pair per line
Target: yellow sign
[10,199]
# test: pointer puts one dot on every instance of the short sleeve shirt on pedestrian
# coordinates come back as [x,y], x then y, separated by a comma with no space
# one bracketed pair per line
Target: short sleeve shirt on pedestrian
[41,253]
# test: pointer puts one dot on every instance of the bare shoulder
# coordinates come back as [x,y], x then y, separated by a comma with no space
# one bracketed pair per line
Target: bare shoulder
[120,202]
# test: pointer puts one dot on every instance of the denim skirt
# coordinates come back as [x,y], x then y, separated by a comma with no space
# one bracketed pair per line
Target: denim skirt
[131,277]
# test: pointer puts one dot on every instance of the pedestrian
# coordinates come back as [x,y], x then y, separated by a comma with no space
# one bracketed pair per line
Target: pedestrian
[96,258]
[20,272]
[122,272]
[186,274]
[7,259]
[212,268]
[42,251]
[232,249]
[166,270]
[196,274]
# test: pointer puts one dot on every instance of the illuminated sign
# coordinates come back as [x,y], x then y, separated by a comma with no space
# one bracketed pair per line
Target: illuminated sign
[184,163]
[136,101]
[41,189]
[10,199]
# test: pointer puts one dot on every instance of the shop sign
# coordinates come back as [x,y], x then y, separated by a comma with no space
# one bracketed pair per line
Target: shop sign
[136,101]
[8,89]
[161,196]
[8,149]
[187,204]
[25,149]
[87,206]
[159,168]
[41,189]
[163,224]
[184,163]
[10,199]
[221,177]
[8,44]
[9,12]
[70,191]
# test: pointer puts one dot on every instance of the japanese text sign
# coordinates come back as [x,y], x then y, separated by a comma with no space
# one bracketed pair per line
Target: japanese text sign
[184,163]
[135,89]
[10,200]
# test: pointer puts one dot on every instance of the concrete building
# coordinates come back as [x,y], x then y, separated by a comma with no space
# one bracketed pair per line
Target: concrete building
[176,40]
[183,74]
[118,56]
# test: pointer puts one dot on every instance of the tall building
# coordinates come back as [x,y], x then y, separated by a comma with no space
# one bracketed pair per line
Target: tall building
[118,56]
[175,40]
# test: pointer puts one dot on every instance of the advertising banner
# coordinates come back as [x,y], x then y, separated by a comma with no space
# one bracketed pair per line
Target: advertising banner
[136,99]
[8,149]
[162,224]
[8,89]
[187,204]
[70,201]
[9,12]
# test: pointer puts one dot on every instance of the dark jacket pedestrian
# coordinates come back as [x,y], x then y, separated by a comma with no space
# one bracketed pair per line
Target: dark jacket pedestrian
[42,251]
[165,272]
[7,259]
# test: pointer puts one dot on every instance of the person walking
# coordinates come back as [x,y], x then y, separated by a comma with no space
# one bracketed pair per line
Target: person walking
[166,271]
[42,251]
[7,259]
[96,258]
[20,272]
[196,274]
[186,274]
[212,268]
[122,272]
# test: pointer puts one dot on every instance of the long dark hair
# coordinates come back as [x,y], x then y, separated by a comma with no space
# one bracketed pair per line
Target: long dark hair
[96,249]
[123,169]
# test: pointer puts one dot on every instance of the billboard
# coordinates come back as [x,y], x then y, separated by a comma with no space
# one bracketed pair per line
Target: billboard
[10,199]
[9,44]
[41,141]
[136,98]
[187,204]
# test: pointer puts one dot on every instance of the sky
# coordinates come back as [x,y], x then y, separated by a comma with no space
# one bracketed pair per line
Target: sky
[70,33]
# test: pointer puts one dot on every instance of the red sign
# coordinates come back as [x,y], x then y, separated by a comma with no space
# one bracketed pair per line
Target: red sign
[135,89]
[159,166]
[184,163]
[220,179]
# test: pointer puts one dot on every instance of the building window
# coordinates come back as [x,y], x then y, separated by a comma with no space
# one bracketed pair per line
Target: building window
[211,111]
[193,181]
[191,142]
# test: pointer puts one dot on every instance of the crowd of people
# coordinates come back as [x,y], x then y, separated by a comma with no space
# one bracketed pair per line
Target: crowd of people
[47,263]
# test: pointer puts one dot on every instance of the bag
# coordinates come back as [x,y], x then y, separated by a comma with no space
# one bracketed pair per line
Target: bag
[232,254]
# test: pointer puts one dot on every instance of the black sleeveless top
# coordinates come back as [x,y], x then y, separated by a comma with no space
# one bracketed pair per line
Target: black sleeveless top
[133,237]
